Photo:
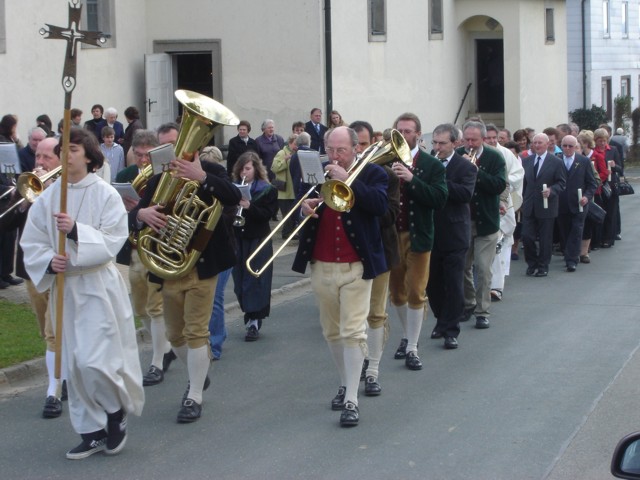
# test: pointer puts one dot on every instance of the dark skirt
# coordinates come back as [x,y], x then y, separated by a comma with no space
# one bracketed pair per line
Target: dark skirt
[253,294]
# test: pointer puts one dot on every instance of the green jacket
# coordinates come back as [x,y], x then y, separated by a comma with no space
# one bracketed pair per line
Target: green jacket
[490,183]
[427,191]
[128,174]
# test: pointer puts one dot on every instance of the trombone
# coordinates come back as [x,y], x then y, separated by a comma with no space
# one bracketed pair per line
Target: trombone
[30,186]
[338,195]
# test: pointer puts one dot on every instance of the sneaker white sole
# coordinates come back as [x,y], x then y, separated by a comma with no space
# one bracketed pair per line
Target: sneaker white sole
[118,449]
[85,454]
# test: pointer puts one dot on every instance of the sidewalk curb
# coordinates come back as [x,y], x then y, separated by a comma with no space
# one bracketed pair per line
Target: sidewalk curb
[36,367]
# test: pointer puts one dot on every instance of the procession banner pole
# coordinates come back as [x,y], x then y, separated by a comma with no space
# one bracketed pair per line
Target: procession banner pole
[73,35]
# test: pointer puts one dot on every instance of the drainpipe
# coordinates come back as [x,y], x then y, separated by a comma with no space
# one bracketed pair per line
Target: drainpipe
[327,57]
[584,59]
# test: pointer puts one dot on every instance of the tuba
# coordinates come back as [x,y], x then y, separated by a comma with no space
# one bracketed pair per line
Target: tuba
[174,251]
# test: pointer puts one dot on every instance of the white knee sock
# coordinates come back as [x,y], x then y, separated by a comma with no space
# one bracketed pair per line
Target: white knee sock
[414,325]
[198,364]
[146,321]
[337,353]
[50,360]
[159,341]
[375,341]
[181,353]
[353,358]
[402,315]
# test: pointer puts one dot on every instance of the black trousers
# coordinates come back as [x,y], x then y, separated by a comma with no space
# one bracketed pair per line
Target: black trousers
[446,289]
[541,229]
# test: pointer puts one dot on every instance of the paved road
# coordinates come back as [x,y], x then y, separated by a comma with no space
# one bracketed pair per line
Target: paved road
[544,393]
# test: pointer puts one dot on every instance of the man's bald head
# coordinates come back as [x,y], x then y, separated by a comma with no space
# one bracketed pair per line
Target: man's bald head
[45,155]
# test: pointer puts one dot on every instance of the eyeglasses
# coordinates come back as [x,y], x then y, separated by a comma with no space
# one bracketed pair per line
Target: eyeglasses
[339,151]
[568,146]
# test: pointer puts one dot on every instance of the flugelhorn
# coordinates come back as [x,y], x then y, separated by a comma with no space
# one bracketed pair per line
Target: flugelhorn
[473,155]
[239,220]
[30,186]
[337,194]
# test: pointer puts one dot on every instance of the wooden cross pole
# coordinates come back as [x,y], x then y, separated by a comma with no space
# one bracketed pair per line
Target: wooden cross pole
[73,35]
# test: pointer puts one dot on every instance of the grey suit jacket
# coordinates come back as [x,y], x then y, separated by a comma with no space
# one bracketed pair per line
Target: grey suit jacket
[553,174]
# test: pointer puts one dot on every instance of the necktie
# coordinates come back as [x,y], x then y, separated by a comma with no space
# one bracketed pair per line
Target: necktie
[318,128]
[567,163]
[536,166]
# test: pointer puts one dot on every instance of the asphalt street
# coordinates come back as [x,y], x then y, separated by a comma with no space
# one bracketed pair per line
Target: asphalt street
[545,393]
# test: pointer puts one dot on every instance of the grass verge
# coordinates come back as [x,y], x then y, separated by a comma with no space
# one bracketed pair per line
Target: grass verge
[19,334]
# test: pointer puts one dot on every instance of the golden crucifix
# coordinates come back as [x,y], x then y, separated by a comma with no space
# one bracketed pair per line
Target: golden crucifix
[73,35]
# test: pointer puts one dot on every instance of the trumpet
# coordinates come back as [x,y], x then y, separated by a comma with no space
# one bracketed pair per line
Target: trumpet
[338,195]
[239,219]
[473,155]
[30,186]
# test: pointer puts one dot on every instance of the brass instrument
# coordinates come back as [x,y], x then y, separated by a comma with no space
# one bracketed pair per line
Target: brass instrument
[239,220]
[174,251]
[473,156]
[139,184]
[30,186]
[338,195]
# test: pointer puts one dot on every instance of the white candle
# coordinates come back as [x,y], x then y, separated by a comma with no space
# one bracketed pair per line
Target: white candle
[580,200]
[545,200]
[609,169]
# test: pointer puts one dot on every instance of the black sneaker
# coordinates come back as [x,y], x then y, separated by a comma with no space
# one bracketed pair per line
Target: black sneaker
[117,436]
[401,352]
[337,403]
[350,415]
[167,359]
[252,334]
[91,443]
[363,372]
[190,411]
[52,407]
[153,377]
[207,382]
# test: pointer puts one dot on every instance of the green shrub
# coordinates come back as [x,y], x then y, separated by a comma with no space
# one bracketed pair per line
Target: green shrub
[589,119]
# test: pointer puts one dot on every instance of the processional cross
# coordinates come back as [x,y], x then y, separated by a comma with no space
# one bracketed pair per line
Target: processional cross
[73,35]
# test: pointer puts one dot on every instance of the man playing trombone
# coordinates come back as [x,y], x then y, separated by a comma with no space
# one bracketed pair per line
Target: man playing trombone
[345,251]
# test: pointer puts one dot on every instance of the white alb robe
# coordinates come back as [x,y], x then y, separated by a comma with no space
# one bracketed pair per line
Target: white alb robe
[99,345]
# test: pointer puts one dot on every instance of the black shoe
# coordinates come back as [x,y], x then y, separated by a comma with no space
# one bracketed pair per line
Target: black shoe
[466,315]
[167,359]
[363,372]
[12,280]
[338,401]
[350,415]
[482,322]
[542,273]
[618,237]
[207,382]
[412,362]
[52,407]
[401,352]
[153,377]
[372,387]
[252,334]
[450,343]
[436,335]
[190,411]
[117,432]
[91,443]
[4,284]
[571,268]
[64,395]
[531,271]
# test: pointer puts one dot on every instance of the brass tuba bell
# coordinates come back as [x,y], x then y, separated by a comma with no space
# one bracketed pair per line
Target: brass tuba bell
[173,252]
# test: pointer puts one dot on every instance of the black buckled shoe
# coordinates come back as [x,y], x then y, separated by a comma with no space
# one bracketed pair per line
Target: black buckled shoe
[401,352]
[337,403]
[207,382]
[372,387]
[190,411]
[363,372]
[153,377]
[91,443]
[116,432]
[350,415]
[412,362]
[252,334]
[167,359]
[52,407]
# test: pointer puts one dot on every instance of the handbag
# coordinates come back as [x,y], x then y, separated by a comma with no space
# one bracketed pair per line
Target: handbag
[606,190]
[596,213]
[279,184]
[625,188]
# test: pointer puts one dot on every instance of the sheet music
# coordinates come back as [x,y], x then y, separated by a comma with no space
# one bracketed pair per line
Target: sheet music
[161,157]
[311,166]
[126,191]
[9,161]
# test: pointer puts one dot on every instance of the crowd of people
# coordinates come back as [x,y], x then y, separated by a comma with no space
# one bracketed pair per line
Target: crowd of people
[431,225]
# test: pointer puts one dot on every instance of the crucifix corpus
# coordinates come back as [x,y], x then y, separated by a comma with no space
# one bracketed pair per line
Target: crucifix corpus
[73,35]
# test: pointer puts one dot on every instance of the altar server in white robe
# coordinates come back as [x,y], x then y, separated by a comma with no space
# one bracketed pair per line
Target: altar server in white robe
[99,346]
